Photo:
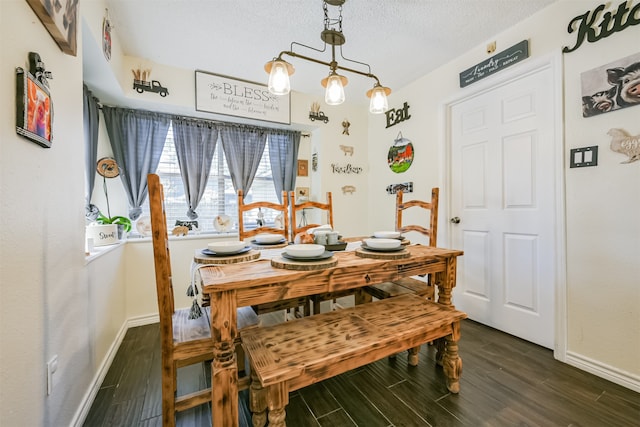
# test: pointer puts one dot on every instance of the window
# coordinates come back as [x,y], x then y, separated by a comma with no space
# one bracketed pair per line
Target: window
[219,197]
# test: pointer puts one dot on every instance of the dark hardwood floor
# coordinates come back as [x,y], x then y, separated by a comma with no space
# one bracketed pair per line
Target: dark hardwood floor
[505,382]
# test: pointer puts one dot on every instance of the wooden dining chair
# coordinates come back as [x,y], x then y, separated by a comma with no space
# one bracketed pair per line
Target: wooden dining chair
[293,307]
[298,211]
[245,232]
[414,285]
[326,210]
[183,341]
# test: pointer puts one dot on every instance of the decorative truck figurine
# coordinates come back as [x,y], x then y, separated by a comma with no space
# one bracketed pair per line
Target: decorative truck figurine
[141,84]
[152,86]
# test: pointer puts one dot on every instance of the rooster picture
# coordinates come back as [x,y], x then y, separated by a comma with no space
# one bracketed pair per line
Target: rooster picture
[622,142]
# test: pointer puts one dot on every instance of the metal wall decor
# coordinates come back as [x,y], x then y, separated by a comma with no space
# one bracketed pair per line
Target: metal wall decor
[348,189]
[346,169]
[395,116]
[497,62]
[406,187]
[314,162]
[624,143]
[143,83]
[347,149]
[316,114]
[591,29]
[345,127]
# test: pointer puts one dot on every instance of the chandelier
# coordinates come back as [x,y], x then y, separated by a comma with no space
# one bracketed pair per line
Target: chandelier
[279,70]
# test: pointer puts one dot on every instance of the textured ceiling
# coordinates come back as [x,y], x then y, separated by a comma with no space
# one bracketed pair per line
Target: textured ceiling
[401,40]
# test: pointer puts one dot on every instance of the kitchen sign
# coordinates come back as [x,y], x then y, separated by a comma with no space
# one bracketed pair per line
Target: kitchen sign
[497,62]
[233,97]
[609,23]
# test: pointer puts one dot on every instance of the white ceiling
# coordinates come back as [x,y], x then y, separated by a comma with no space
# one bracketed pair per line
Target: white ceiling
[401,40]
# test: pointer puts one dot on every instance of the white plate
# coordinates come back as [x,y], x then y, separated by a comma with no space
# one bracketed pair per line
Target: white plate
[382,243]
[386,234]
[143,225]
[305,251]
[222,223]
[268,238]
[226,247]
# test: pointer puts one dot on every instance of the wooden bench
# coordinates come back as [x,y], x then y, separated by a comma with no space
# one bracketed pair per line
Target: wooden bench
[292,355]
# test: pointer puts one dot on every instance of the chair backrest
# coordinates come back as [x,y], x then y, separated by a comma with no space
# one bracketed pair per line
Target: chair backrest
[304,226]
[243,207]
[162,259]
[431,230]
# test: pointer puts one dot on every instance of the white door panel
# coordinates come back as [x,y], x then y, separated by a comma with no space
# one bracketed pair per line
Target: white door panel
[502,163]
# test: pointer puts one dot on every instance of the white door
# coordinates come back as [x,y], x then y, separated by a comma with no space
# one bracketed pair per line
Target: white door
[503,192]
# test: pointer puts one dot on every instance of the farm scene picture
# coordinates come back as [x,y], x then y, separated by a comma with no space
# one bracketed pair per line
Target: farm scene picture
[400,155]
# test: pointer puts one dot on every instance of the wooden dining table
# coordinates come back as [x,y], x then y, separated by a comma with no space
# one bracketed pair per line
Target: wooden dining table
[231,286]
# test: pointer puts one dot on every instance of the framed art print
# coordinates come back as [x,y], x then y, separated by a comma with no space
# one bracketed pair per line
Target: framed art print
[60,18]
[34,109]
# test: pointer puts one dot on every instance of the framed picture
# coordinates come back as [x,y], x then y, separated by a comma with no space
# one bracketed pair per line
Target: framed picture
[303,167]
[302,194]
[60,18]
[220,94]
[34,109]
[611,87]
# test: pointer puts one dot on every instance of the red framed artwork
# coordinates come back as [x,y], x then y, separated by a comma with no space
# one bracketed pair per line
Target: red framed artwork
[34,109]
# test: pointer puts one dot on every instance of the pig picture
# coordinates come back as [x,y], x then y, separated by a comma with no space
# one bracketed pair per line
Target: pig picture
[627,83]
[611,87]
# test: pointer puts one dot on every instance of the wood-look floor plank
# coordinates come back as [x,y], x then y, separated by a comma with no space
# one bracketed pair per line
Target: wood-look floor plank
[338,418]
[360,409]
[382,398]
[505,382]
[298,410]
[319,400]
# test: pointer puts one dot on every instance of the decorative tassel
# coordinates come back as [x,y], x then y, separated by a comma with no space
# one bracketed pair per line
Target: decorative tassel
[195,311]
[192,290]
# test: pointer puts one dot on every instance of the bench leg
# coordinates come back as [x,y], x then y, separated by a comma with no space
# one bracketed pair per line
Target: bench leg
[257,401]
[451,362]
[278,398]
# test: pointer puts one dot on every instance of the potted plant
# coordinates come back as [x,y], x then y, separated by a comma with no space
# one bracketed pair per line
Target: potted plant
[123,223]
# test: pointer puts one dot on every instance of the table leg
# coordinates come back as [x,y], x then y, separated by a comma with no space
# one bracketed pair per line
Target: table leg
[224,369]
[446,281]
[257,402]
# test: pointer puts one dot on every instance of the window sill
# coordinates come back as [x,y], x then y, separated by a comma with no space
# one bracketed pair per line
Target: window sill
[99,251]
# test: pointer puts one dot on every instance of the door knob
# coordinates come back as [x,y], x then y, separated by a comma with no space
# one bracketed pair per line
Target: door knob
[455,220]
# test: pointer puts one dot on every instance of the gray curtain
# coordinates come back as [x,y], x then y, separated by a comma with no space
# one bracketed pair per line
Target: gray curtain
[195,142]
[137,138]
[91,120]
[283,154]
[243,147]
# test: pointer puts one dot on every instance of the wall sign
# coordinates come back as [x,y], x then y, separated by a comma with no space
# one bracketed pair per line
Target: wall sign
[497,62]
[608,24]
[395,116]
[346,169]
[233,97]
[400,154]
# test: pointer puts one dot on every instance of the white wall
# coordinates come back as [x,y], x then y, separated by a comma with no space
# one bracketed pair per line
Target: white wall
[602,203]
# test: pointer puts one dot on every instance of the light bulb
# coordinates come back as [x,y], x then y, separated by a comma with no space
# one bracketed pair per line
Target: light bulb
[334,95]
[378,103]
[279,83]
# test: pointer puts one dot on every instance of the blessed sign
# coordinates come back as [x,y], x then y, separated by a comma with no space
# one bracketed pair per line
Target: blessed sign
[233,97]
[500,61]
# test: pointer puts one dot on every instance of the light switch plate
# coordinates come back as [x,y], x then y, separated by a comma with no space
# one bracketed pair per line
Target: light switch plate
[583,157]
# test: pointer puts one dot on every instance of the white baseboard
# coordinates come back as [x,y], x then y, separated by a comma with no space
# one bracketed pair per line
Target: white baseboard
[81,414]
[625,379]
